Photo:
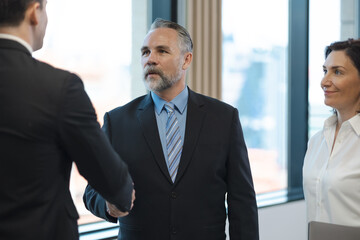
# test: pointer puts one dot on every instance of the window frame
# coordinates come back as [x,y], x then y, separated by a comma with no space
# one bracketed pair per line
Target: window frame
[298,82]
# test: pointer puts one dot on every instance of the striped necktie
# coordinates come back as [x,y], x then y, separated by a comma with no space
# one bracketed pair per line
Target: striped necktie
[174,142]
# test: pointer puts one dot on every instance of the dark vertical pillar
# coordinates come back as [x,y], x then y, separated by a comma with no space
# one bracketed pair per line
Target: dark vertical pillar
[298,93]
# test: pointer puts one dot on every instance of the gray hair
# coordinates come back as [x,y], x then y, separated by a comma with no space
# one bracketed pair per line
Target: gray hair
[186,44]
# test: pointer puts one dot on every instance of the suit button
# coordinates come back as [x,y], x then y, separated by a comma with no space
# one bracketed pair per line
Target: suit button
[173,230]
[173,195]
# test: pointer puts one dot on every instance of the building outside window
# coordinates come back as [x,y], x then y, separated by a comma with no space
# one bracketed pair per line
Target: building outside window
[97,42]
[255,50]
[324,28]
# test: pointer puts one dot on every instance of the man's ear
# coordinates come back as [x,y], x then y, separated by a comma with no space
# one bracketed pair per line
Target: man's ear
[187,60]
[32,13]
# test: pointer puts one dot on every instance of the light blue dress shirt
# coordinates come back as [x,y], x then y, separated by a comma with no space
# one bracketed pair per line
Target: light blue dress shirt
[179,103]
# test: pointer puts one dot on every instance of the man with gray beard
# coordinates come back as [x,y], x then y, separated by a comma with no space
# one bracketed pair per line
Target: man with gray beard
[185,152]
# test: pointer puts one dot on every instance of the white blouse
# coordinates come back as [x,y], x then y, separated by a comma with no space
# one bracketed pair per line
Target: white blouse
[332,179]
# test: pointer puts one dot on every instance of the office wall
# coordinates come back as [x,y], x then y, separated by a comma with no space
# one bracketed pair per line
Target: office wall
[283,222]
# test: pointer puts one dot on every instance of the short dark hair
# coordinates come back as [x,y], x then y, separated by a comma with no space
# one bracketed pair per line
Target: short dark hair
[351,47]
[12,12]
[186,44]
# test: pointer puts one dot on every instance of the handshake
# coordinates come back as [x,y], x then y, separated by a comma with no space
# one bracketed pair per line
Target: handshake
[113,211]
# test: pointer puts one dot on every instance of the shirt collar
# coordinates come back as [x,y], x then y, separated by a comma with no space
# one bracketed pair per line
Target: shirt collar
[17,39]
[179,102]
[354,122]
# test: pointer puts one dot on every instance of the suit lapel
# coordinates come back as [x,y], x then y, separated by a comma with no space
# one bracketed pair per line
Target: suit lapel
[147,119]
[194,122]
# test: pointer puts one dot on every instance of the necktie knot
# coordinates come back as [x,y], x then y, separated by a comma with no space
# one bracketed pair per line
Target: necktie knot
[168,109]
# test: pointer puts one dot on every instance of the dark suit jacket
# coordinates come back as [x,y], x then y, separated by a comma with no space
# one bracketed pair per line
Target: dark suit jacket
[214,162]
[47,122]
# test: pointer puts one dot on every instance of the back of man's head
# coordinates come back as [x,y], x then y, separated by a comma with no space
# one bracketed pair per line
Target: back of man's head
[12,12]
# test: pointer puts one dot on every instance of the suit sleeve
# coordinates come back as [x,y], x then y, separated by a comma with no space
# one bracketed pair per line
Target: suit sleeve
[242,207]
[96,204]
[93,201]
[87,145]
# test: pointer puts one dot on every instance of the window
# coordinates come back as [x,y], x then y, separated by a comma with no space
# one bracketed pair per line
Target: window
[340,21]
[324,29]
[96,42]
[255,81]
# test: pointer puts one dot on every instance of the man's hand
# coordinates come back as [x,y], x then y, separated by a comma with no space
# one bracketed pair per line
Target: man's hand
[114,212]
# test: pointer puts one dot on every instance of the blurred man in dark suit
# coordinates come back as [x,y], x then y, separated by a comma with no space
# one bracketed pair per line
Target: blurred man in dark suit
[46,123]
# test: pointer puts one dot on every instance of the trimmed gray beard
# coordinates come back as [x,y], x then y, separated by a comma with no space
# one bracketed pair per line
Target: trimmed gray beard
[165,82]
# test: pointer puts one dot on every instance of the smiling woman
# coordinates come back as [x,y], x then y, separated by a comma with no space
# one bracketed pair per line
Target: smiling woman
[341,82]
[91,40]
[331,162]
